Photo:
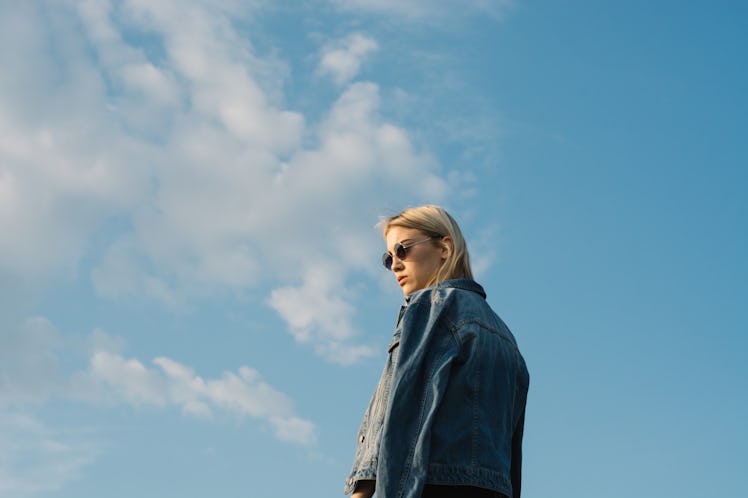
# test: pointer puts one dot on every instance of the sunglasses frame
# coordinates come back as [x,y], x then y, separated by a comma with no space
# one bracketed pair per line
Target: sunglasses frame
[401,251]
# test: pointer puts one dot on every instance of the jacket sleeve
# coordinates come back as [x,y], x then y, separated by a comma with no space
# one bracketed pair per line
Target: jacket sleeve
[418,386]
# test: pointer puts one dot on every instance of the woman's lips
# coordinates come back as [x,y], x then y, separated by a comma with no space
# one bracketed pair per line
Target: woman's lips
[400,279]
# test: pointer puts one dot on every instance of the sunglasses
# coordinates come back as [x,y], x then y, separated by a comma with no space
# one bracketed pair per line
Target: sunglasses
[401,252]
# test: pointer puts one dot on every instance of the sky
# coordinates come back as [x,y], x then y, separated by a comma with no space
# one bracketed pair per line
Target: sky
[191,297]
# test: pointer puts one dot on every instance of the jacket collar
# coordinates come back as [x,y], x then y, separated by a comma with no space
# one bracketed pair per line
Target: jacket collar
[467,284]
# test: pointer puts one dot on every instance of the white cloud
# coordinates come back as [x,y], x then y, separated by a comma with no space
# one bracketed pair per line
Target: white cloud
[342,59]
[63,167]
[293,429]
[243,394]
[131,380]
[59,456]
[184,140]
[150,81]
[317,314]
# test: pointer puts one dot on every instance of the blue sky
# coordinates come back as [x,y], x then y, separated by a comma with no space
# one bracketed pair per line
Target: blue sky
[191,299]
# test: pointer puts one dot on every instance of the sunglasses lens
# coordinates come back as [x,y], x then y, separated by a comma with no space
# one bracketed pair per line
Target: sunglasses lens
[400,251]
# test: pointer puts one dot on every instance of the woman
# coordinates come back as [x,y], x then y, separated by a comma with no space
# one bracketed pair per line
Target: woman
[447,416]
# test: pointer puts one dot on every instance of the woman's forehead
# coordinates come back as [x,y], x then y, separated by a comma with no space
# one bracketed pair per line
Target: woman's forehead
[399,234]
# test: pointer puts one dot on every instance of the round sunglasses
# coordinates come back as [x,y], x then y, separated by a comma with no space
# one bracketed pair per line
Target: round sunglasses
[401,251]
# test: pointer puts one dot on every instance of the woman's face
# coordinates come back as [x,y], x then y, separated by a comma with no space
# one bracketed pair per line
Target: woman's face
[421,262]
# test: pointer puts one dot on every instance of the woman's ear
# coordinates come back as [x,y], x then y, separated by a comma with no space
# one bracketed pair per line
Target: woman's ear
[448,246]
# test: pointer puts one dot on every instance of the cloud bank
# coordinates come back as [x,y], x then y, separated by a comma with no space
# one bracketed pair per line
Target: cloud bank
[160,125]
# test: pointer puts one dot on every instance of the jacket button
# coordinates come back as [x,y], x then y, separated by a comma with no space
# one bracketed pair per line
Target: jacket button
[362,438]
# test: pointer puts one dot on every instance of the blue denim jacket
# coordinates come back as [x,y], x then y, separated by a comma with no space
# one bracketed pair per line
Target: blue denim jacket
[449,407]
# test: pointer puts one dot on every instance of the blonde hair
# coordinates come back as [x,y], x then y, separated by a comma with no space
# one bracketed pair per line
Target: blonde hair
[434,221]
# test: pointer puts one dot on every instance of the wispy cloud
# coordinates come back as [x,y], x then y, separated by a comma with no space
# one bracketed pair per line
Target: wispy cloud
[317,314]
[29,370]
[243,393]
[35,457]
[420,10]
[342,59]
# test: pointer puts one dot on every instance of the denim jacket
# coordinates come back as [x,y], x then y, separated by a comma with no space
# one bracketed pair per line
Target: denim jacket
[449,407]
